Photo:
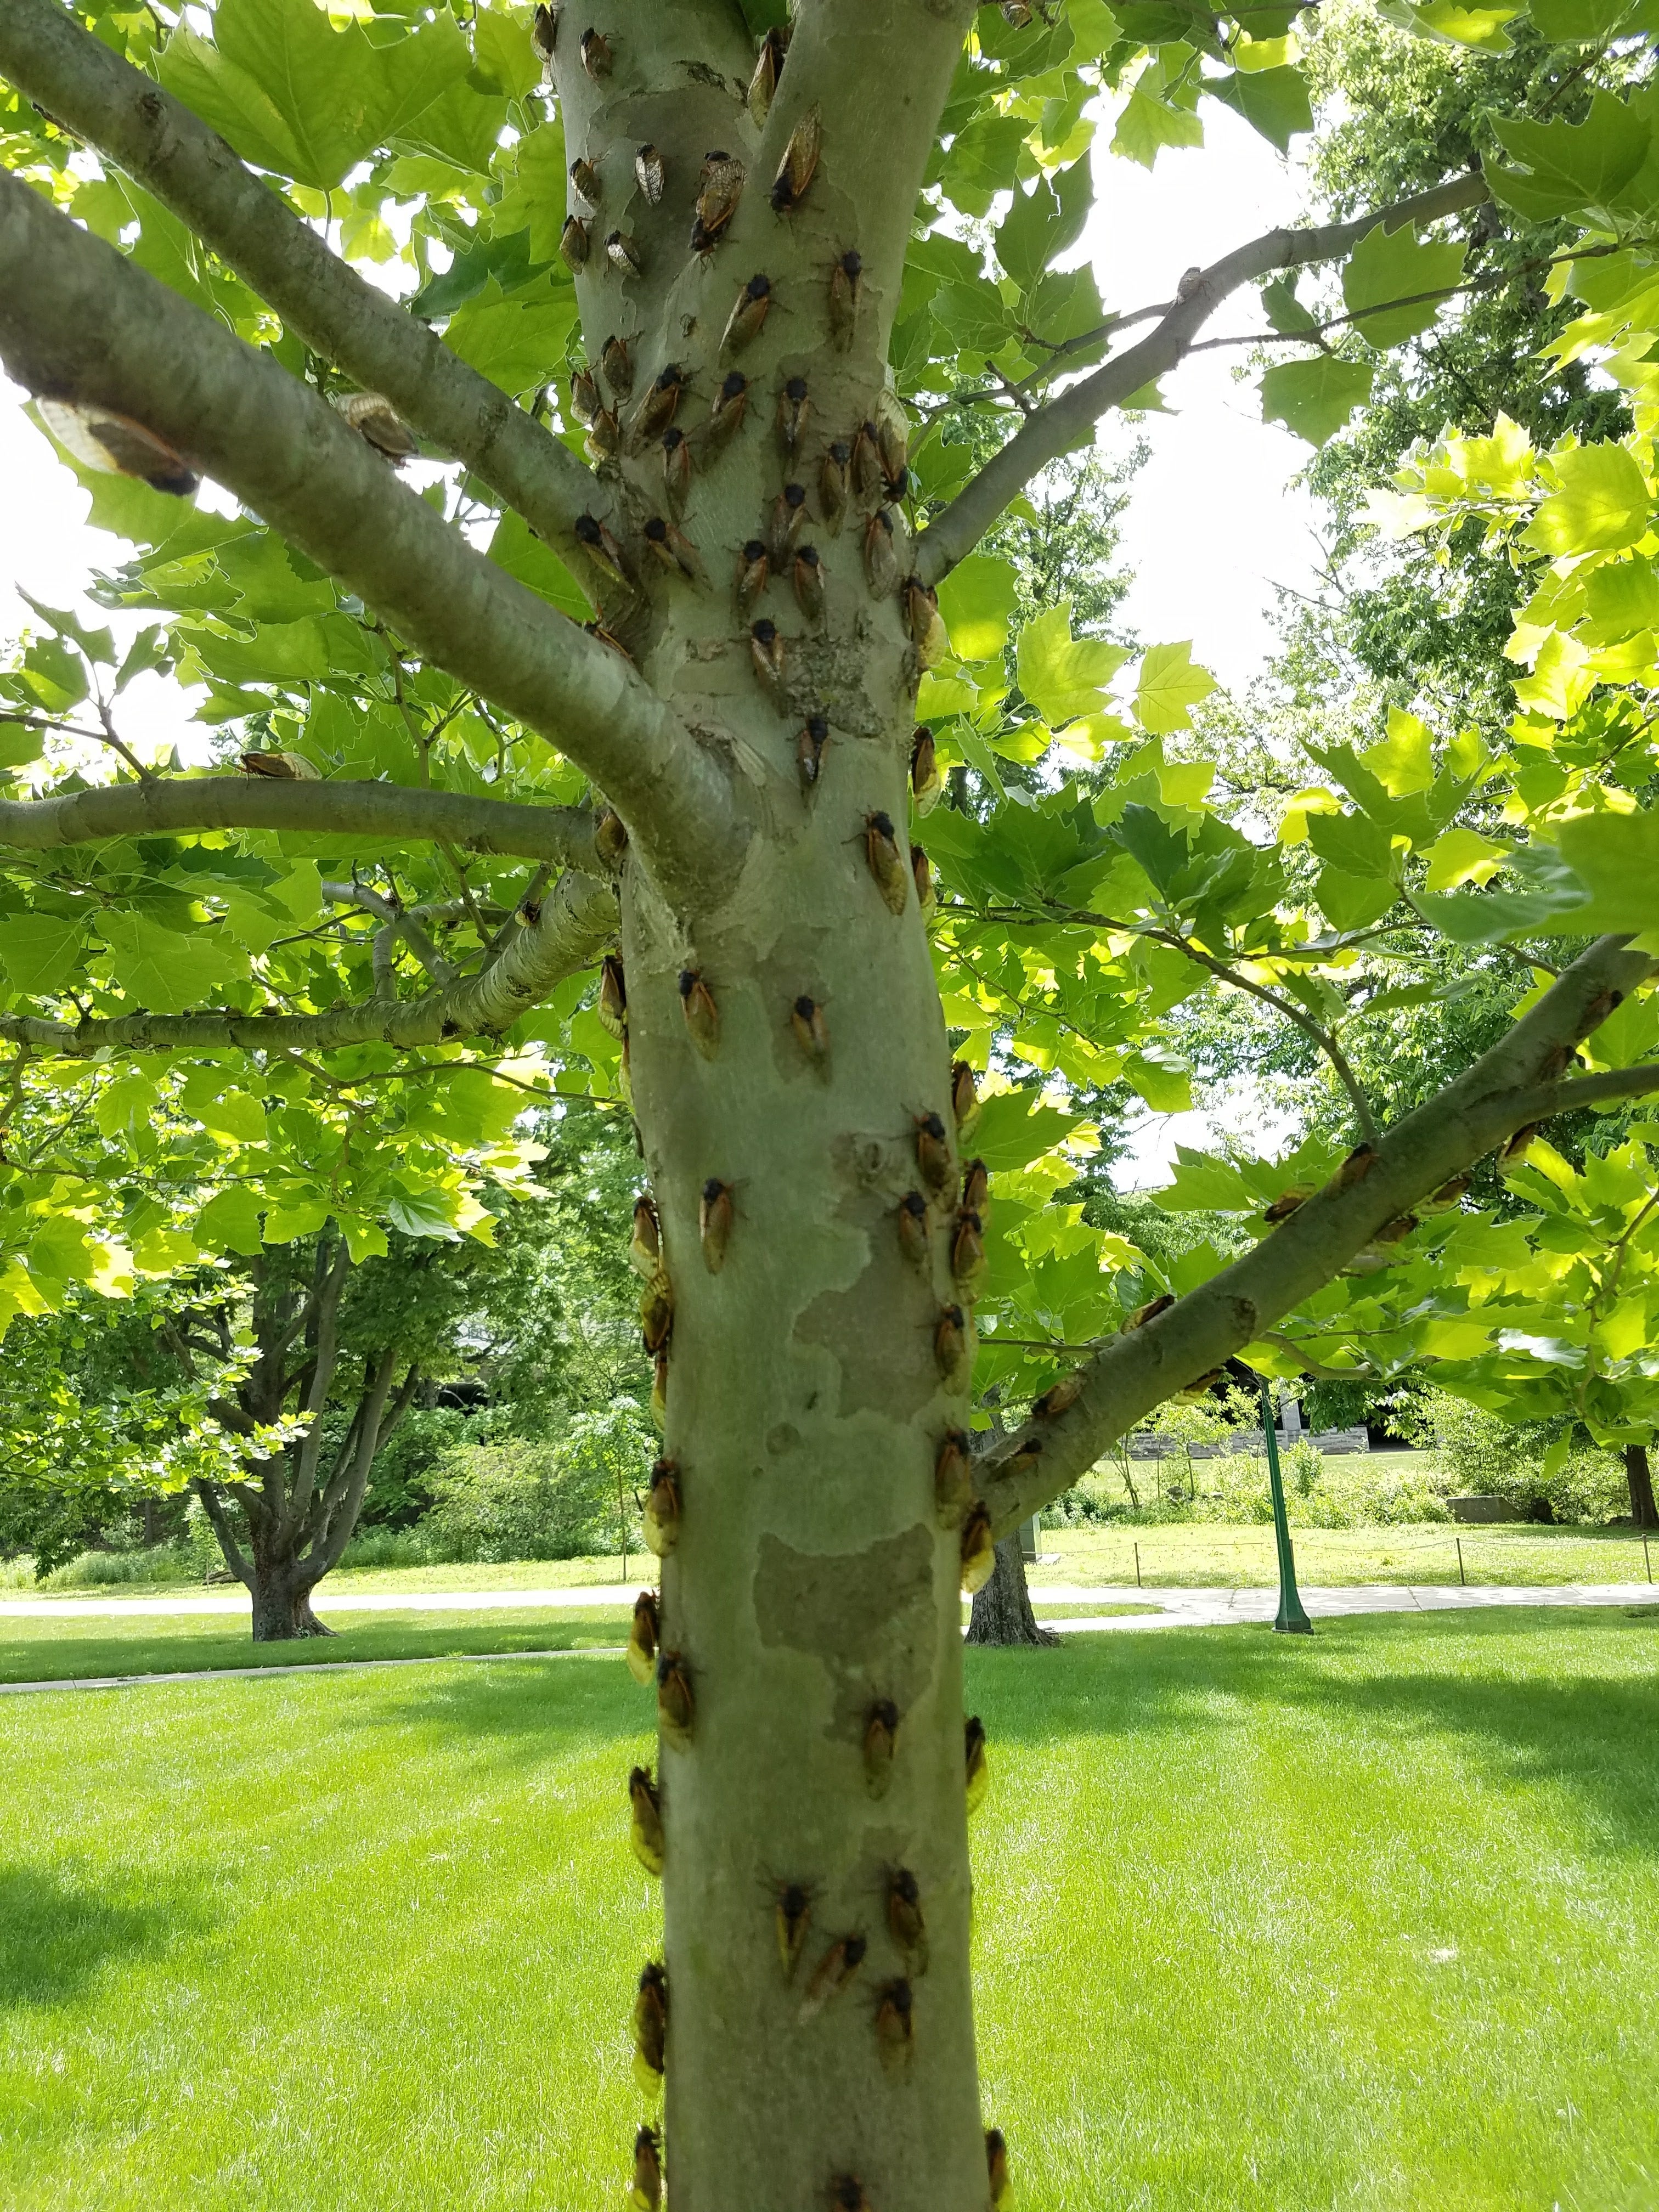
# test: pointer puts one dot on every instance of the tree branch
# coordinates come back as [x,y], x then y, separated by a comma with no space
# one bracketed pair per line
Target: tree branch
[570,931]
[1312,1368]
[79,320]
[189,169]
[1057,427]
[1497,1094]
[393,812]
[399,923]
[1316,1031]
[213,1506]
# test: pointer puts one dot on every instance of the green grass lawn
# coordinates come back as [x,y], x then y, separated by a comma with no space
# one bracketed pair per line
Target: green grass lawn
[1193,1554]
[1177,1555]
[1263,1925]
[60,1649]
[63,1649]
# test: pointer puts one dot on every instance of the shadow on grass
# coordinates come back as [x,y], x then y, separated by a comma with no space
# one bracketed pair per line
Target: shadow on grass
[1483,1678]
[59,1657]
[523,1711]
[57,1935]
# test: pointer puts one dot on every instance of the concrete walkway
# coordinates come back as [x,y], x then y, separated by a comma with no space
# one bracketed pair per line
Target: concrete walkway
[1214,1608]
[1167,1608]
[1176,1608]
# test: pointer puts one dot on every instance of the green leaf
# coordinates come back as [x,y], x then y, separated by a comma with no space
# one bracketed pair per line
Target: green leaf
[1351,902]
[977,601]
[1161,1077]
[1204,1184]
[1571,167]
[1617,857]
[162,971]
[425,1213]
[40,952]
[1284,312]
[1274,102]
[292,94]
[225,1112]
[461,126]
[1389,265]
[230,1223]
[1013,1131]
[1041,223]
[982,161]
[1169,683]
[1602,504]
[126,1104]
[517,340]
[1462,856]
[506,57]
[1403,761]
[1064,676]
[1315,397]
[1363,847]
[1146,125]
[1578,23]
[537,565]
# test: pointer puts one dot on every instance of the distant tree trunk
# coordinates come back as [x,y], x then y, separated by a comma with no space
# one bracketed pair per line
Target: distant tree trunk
[297,1518]
[281,1603]
[1639,1476]
[1002,1610]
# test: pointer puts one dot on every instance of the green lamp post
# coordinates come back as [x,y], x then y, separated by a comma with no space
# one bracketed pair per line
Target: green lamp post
[1292,1619]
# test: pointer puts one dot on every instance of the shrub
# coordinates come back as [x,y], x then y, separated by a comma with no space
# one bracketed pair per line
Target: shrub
[163,1563]
[517,1499]
[1477,1451]
[421,1546]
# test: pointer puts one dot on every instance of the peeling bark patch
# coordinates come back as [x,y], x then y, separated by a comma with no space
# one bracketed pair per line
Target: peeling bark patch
[877,1331]
[869,1617]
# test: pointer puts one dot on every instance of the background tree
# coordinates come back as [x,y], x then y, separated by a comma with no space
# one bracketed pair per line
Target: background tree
[727,747]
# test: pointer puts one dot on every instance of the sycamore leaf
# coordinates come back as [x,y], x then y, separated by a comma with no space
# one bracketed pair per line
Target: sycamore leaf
[227,1112]
[1013,1132]
[162,971]
[230,1223]
[1161,1077]
[514,339]
[292,94]
[1569,166]
[1146,125]
[39,953]
[1272,102]
[1064,676]
[1389,265]
[1169,683]
[1602,504]
[977,601]
[1617,857]
[1462,856]
[1315,397]
[1204,1184]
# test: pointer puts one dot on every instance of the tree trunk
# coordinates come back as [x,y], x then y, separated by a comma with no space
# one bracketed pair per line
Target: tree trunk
[811,1580]
[1639,1475]
[1002,1609]
[282,1605]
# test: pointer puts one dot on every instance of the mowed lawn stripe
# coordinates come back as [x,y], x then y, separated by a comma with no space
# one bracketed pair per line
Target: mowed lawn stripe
[1260,1923]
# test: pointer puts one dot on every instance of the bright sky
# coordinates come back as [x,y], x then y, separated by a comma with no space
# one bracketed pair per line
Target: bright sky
[1214,521]
[1213,524]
